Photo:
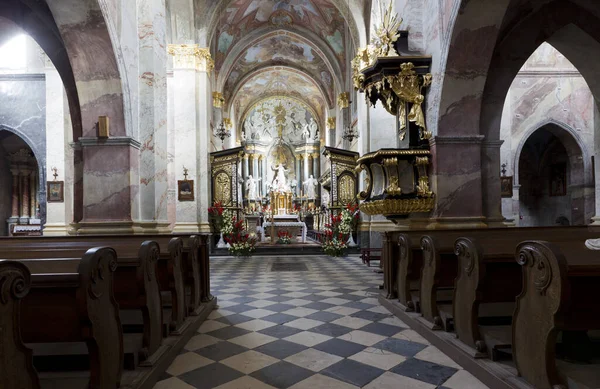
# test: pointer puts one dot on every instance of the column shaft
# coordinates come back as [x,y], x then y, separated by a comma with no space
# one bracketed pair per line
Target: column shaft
[25,195]
[15,193]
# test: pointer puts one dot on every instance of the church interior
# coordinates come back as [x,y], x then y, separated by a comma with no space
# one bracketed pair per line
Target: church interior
[259,194]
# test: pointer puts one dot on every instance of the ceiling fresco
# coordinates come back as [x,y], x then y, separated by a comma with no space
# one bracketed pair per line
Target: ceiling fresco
[241,17]
[281,49]
[280,82]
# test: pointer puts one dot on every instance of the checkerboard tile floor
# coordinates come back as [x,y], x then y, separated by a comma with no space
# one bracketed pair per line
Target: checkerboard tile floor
[322,328]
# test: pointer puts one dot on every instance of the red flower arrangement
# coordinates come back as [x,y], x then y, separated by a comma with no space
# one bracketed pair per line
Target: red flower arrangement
[240,242]
[284,237]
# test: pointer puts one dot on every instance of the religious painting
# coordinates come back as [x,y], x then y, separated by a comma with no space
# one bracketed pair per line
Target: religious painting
[55,190]
[558,179]
[506,186]
[185,190]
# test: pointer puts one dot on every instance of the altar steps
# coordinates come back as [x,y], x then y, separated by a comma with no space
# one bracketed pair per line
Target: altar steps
[309,248]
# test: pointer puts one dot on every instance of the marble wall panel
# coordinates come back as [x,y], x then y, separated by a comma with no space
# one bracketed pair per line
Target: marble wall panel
[107,182]
[5,192]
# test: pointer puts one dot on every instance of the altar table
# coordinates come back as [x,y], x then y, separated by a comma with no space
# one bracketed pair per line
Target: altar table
[292,227]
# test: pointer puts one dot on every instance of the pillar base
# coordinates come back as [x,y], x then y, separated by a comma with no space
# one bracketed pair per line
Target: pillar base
[119,228]
[499,222]
[181,227]
[441,223]
[56,229]
[595,221]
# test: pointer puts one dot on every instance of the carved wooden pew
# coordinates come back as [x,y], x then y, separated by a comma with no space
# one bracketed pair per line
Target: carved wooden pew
[489,280]
[427,262]
[73,301]
[16,362]
[560,293]
[169,269]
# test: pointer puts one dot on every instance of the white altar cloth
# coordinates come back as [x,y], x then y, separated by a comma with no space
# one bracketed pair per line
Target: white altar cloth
[267,225]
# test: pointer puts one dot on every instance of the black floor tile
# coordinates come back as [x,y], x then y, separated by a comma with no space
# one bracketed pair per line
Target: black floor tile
[210,376]
[353,372]
[240,308]
[221,350]
[234,319]
[324,316]
[382,329]
[424,371]
[281,349]
[319,306]
[368,315]
[243,300]
[330,329]
[339,347]
[280,307]
[282,375]
[279,318]
[358,305]
[400,347]
[228,332]
[280,331]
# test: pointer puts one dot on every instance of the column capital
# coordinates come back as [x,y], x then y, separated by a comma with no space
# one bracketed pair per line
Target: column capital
[331,122]
[218,100]
[191,57]
[343,100]
[315,155]
[299,157]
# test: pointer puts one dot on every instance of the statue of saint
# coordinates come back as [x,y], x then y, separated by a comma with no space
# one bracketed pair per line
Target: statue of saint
[313,127]
[279,182]
[306,132]
[251,185]
[311,188]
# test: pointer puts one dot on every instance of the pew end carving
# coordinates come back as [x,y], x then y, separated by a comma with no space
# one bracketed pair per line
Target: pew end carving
[149,254]
[96,299]
[15,283]
[535,328]
[466,293]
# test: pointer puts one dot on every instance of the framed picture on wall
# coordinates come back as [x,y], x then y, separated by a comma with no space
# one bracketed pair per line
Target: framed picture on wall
[558,179]
[56,191]
[506,186]
[185,190]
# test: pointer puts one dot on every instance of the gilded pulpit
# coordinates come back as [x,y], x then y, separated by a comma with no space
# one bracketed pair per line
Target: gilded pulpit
[396,180]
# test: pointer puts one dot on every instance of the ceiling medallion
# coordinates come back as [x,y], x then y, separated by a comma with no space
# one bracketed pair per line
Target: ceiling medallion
[281,19]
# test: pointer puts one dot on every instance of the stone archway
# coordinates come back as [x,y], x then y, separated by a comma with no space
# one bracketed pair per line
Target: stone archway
[552,172]
[489,43]
[22,183]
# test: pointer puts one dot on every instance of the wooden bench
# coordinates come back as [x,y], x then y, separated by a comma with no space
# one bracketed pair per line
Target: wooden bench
[560,293]
[16,362]
[70,301]
[178,267]
[368,254]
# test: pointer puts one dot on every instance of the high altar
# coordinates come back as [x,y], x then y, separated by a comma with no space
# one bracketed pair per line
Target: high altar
[281,203]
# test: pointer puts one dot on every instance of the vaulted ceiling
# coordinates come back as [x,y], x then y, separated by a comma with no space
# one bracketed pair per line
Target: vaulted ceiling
[294,48]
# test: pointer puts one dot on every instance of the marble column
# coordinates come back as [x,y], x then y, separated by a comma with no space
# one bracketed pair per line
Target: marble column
[25,173]
[245,166]
[260,174]
[264,176]
[15,193]
[187,138]
[490,176]
[255,162]
[457,182]
[32,194]
[316,165]
[306,171]
[56,217]
[299,173]
[152,101]
[204,67]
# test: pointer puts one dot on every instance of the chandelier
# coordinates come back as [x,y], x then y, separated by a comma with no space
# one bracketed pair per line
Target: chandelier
[222,132]
[350,133]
